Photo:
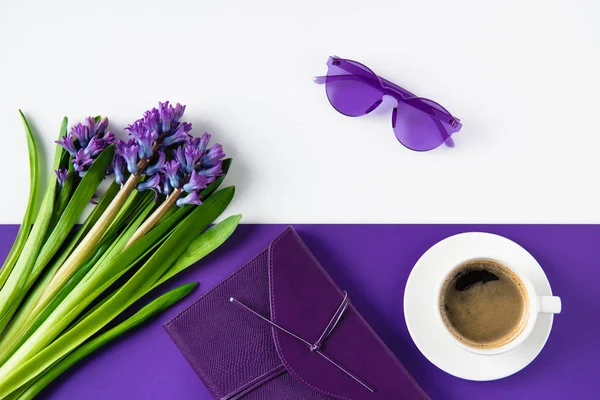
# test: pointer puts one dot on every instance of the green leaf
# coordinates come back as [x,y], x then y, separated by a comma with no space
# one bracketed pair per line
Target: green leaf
[42,352]
[128,209]
[82,196]
[14,288]
[85,293]
[64,195]
[32,205]
[90,241]
[202,246]
[149,311]
[144,208]
[13,333]
[34,323]
[107,249]
[102,205]
[84,192]
[178,214]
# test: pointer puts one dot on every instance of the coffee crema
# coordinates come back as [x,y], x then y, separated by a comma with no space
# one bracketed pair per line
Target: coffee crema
[484,304]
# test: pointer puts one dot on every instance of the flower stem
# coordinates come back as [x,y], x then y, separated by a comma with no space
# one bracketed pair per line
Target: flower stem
[87,244]
[155,217]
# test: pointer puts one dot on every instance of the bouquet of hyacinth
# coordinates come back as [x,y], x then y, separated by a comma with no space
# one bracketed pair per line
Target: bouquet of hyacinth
[64,288]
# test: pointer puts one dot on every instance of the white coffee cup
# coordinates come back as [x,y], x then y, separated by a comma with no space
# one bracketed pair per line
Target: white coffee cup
[536,305]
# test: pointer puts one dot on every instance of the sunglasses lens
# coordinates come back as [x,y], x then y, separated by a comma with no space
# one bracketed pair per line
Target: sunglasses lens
[417,129]
[352,92]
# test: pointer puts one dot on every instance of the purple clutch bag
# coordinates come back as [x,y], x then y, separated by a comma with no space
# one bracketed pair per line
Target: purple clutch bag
[280,328]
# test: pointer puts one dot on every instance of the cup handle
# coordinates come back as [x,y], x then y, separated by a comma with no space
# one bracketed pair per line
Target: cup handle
[549,304]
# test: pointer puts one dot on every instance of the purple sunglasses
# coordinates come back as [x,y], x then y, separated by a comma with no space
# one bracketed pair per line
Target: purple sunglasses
[354,90]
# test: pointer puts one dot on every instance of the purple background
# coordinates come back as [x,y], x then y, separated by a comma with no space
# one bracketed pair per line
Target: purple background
[372,263]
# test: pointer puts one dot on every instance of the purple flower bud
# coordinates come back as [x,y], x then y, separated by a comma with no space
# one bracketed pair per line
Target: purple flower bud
[90,124]
[213,156]
[166,115]
[61,175]
[145,141]
[109,138]
[81,133]
[117,165]
[191,198]
[68,144]
[179,155]
[167,189]
[192,156]
[129,151]
[82,161]
[179,136]
[95,146]
[152,183]
[100,127]
[137,128]
[196,182]
[178,112]
[171,172]
[213,172]
[203,142]
[152,120]
[157,166]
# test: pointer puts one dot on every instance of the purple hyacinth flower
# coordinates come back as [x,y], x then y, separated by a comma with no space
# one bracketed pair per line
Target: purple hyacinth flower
[82,161]
[213,156]
[129,151]
[152,120]
[109,138]
[137,128]
[192,156]
[166,115]
[196,182]
[203,142]
[171,172]
[100,127]
[152,183]
[145,141]
[95,146]
[179,136]
[191,198]
[118,165]
[157,166]
[178,112]
[179,155]
[167,189]
[214,171]
[68,144]
[90,124]
[86,141]
[81,133]
[61,175]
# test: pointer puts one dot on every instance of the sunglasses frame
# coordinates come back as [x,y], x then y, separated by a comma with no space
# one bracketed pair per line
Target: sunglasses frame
[391,89]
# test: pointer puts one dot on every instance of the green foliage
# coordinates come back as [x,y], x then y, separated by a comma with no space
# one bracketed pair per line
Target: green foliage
[32,204]
[42,334]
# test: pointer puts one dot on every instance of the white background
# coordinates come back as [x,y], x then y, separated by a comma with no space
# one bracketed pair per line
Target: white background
[524,77]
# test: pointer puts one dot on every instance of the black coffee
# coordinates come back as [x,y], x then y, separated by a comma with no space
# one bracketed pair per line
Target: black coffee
[484,304]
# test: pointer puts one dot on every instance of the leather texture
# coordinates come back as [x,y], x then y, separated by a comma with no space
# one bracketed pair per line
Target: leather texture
[229,347]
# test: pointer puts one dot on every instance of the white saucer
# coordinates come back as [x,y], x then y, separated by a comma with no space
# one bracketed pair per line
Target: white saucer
[421,305]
